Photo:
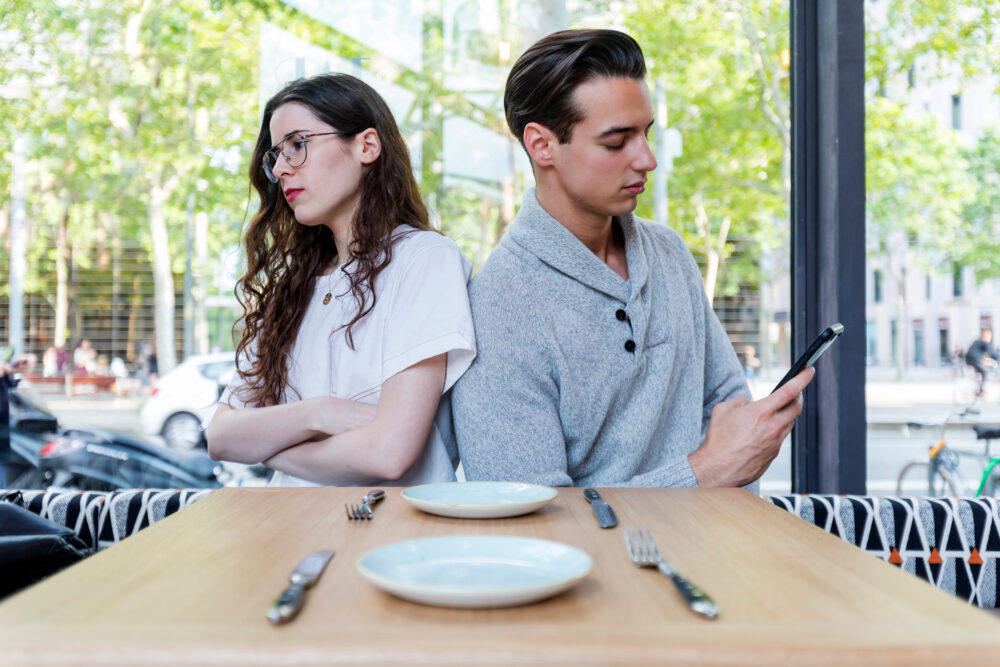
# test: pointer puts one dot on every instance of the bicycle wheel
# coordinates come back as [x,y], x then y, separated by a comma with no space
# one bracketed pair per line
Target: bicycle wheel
[918,479]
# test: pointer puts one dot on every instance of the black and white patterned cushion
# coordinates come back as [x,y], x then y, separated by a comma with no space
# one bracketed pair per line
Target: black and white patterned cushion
[103,518]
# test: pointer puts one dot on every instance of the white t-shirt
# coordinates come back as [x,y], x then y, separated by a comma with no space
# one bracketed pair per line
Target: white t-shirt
[421,311]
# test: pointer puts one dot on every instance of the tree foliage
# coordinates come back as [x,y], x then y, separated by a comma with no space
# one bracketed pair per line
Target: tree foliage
[728,95]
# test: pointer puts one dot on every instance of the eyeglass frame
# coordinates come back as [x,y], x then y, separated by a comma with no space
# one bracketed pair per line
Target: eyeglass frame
[304,137]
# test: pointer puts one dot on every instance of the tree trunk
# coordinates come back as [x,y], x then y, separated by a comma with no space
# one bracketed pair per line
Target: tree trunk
[62,278]
[198,291]
[163,277]
[135,311]
[714,244]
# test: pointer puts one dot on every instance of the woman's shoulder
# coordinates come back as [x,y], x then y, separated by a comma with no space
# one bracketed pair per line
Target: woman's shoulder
[411,243]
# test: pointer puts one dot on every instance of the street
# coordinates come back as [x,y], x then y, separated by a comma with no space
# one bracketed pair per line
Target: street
[927,395]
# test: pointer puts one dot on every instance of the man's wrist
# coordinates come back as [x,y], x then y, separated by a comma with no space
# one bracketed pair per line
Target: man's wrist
[704,471]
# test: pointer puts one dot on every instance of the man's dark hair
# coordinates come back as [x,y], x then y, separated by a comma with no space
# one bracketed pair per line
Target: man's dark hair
[541,83]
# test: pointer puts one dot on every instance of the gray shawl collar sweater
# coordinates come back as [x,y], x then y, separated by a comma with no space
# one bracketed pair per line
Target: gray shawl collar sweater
[581,377]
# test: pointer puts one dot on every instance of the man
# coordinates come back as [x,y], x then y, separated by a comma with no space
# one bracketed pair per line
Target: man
[982,356]
[600,359]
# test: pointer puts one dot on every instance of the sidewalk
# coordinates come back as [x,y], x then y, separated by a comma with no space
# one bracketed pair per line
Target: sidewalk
[924,394]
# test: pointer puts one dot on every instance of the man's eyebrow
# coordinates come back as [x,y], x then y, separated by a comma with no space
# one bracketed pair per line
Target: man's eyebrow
[623,130]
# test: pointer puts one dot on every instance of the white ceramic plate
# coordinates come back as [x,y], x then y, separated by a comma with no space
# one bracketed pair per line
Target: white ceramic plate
[479,500]
[475,571]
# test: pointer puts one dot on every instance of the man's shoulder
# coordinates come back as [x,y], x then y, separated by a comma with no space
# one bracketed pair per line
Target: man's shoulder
[508,267]
[509,284]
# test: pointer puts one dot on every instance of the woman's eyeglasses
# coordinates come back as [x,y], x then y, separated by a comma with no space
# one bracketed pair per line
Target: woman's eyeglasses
[293,148]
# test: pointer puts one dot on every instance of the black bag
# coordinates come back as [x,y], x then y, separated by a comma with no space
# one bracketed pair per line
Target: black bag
[32,548]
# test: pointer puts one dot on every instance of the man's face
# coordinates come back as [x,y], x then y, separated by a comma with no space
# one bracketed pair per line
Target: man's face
[602,170]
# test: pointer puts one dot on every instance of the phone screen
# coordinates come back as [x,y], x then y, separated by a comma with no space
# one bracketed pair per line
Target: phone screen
[813,352]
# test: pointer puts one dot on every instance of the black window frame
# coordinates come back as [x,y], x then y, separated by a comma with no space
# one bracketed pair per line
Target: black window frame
[829,449]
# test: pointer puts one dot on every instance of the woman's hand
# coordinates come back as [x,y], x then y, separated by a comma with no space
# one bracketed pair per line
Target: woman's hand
[384,448]
[334,416]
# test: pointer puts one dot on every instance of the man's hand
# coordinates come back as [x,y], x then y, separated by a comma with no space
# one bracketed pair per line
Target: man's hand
[743,437]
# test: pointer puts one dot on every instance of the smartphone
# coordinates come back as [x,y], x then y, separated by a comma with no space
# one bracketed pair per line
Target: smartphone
[816,348]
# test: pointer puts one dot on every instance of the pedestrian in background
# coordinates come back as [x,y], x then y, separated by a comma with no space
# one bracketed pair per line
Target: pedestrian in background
[983,357]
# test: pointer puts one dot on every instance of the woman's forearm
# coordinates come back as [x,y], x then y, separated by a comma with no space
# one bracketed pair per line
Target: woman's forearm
[382,450]
[251,435]
[348,459]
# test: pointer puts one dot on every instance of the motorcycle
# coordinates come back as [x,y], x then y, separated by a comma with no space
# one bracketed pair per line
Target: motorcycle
[24,428]
[44,454]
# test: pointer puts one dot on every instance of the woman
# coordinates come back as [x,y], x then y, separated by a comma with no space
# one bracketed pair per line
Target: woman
[356,316]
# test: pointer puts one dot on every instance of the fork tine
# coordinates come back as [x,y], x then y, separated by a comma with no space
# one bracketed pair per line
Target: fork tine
[628,545]
[640,546]
[348,510]
[652,544]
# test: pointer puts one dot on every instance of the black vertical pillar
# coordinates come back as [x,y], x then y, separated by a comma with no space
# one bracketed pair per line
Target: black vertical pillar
[828,232]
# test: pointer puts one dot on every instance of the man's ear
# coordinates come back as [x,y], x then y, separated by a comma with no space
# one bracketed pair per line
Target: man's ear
[370,145]
[540,143]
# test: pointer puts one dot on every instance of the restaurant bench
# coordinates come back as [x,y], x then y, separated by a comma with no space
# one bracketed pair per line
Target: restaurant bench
[952,543]
[101,519]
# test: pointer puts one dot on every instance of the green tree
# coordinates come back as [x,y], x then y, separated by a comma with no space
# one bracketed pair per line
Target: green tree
[935,39]
[727,93]
[978,243]
[917,188]
[136,112]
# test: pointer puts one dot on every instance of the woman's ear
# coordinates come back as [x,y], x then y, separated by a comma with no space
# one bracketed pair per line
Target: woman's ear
[369,144]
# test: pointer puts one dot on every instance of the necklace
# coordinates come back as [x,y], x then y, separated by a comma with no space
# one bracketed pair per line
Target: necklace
[326,299]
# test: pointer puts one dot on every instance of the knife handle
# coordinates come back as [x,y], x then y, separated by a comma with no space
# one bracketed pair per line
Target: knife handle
[287,605]
[694,596]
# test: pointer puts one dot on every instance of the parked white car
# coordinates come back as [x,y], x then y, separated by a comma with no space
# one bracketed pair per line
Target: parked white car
[184,400]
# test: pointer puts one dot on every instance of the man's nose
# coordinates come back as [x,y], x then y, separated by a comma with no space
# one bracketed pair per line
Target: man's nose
[645,160]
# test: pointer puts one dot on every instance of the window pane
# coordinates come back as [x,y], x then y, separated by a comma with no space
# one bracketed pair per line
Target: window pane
[132,177]
[932,143]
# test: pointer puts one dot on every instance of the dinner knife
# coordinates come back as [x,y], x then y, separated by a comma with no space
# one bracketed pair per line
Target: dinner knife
[305,575]
[605,515]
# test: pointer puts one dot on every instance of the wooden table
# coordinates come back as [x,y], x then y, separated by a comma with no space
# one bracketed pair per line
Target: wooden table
[195,586]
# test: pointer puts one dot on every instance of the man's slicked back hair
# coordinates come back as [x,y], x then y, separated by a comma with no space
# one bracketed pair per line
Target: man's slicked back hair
[541,83]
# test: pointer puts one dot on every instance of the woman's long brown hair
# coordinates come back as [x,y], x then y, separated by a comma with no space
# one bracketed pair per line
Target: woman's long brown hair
[284,258]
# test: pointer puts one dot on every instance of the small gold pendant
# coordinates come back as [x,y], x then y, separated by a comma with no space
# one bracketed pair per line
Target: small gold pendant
[326,299]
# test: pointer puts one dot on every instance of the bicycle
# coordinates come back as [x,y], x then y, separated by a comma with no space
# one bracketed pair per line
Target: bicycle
[941,469]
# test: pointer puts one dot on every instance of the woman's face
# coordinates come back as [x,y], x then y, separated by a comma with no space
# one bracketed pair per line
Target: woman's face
[323,190]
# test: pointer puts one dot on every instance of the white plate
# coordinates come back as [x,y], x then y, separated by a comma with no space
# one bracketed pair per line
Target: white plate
[475,571]
[479,500]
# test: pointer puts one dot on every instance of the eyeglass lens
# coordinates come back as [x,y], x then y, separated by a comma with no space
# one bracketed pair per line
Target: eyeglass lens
[294,150]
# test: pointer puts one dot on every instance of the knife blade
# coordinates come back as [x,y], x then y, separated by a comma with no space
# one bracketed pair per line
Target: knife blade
[605,515]
[288,604]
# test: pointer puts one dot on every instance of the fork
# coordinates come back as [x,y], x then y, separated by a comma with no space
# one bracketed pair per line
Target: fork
[364,512]
[356,513]
[643,552]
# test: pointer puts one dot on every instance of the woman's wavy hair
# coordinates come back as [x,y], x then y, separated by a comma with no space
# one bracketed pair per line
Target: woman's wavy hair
[284,258]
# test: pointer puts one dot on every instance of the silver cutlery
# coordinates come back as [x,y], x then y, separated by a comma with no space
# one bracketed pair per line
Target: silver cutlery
[363,512]
[643,552]
[288,604]
[605,515]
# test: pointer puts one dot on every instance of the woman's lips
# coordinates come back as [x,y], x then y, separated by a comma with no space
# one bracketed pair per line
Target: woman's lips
[292,193]
[636,189]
